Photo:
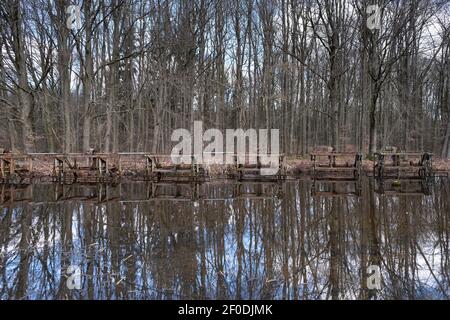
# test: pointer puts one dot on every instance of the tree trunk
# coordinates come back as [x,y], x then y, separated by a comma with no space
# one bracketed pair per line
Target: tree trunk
[24,97]
[88,76]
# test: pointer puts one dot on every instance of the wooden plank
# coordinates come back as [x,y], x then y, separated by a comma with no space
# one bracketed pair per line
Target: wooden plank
[334,194]
[337,169]
[172,170]
[415,154]
[339,154]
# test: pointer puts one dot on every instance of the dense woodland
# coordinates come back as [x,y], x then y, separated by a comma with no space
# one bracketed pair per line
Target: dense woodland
[136,70]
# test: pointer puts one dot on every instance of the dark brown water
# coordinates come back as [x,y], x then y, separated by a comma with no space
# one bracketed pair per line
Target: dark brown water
[290,240]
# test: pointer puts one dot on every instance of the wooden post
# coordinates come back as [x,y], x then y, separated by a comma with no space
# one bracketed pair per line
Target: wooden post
[58,194]
[30,164]
[2,168]
[94,163]
[102,165]
[426,164]
[280,166]
[12,166]
[237,190]
[195,187]
[154,190]
[378,168]
[358,165]
[193,166]
[237,166]
[58,168]
[313,159]
[98,165]
[149,165]
[280,189]
[102,193]
[358,187]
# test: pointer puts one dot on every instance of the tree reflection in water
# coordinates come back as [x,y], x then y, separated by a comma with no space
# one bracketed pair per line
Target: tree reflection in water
[289,245]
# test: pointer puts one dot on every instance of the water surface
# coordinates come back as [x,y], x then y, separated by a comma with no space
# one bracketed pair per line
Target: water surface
[225,240]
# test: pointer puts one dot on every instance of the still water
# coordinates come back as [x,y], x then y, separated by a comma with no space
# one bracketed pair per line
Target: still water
[226,240]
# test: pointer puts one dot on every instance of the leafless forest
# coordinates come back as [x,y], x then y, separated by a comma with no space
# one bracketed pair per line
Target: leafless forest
[136,70]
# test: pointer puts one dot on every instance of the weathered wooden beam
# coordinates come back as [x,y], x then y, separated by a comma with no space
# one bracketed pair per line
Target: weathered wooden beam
[381,167]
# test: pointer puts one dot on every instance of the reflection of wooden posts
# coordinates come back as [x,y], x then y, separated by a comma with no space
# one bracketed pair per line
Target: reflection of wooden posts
[280,189]
[195,187]
[173,191]
[154,190]
[150,190]
[237,190]
[336,188]
[8,194]
[2,193]
[426,186]
[402,187]
[58,192]
[259,190]
[102,193]
[358,187]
